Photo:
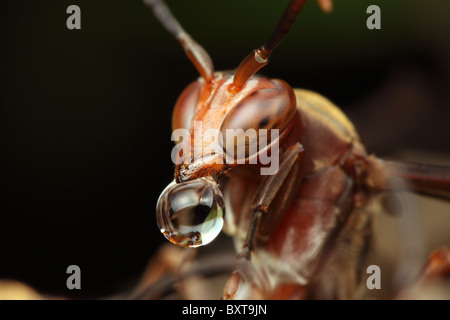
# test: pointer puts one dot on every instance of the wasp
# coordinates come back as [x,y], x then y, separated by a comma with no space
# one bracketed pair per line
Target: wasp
[284,172]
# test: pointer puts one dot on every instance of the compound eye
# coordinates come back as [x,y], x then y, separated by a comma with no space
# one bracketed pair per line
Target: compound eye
[190,214]
[268,108]
[185,107]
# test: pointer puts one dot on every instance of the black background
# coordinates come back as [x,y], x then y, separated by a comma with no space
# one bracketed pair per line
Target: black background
[85,114]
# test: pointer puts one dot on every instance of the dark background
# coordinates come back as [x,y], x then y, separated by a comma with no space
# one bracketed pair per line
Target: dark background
[85,114]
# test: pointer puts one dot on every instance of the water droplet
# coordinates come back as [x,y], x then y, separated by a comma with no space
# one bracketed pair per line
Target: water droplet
[190,214]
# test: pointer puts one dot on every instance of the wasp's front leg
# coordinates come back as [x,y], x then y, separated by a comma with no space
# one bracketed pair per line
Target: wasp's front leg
[287,177]
[169,261]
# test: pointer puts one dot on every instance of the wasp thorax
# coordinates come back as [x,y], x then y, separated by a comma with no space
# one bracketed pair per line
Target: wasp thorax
[190,214]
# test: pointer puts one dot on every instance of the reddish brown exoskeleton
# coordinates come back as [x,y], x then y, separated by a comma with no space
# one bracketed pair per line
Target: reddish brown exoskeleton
[301,231]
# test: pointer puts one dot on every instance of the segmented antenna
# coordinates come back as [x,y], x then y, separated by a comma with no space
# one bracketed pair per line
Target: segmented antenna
[259,58]
[194,51]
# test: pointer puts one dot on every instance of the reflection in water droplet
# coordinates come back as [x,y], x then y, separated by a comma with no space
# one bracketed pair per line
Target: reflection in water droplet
[190,214]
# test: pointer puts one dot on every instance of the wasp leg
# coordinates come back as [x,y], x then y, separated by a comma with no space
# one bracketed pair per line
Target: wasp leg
[438,265]
[339,273]
[260,204]
[168,261]
[433,282]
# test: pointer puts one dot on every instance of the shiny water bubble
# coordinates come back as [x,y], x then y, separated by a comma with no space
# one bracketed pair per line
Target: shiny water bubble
[190,214]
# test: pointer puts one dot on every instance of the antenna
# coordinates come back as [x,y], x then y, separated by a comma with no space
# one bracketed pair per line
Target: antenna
[259,58]
[199,57]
